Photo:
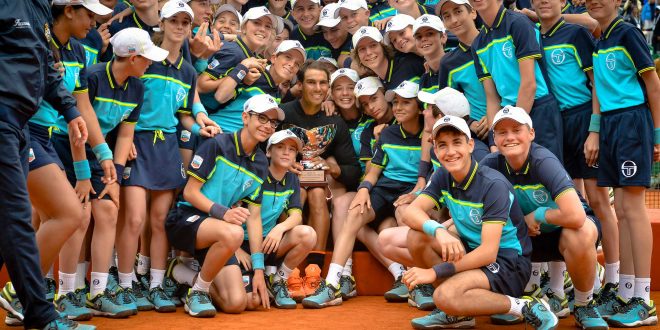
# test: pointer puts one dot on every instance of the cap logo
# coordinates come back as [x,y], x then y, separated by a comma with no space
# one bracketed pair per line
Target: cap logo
[180,4]
[271,100]
[425,19]
[266,10]
[341,71]
[505,110]
[446,119]
[389,24]
[359,86]
[131,49]
[325,12]
[363,31]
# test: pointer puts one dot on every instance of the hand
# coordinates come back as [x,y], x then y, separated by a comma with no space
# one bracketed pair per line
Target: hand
[378,129]
[416,276]
[120,17]
[259,287]
[255,63]
[132,154]
[656,153]
[533,227]
[203,46]
[591,146]
[452,248]
[578,3]
[209,131]
[59,67]
[405,199]
[83,189]
[480,127]
[105,35]
[78,131]
[361,200]
[296,168]
[493,149]
[252,76]
[329,108]
[109,172]
[244,259]
[237,215]
[203,120]
[320,164]
[380,24]
[272,241]
[111,190]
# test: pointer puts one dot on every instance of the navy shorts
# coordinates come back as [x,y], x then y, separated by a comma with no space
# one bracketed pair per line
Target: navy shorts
[509,273]
[270,259]
[545,247]
[576,131]
[626,147]
[383,195]
[158,165]
[42,151]
[63,149]
[547,123]
[187,140]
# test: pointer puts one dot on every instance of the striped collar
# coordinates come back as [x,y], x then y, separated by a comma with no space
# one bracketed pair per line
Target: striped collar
[465,184]
[616,22]
[498,20]
[239,146]
[111,77]
[555,28]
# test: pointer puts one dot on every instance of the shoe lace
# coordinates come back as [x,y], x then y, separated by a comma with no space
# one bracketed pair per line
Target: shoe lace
[625,308]
[65,322]
[281,288]
[203,297]
[137,290]
[530,316]
[159,293]
[398,283]
[588,311]
[426,290]
[320,287]
[125,295]
[74,300]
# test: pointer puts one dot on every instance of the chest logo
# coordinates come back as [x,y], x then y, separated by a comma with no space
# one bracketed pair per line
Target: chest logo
[610,61]
[540,196]
[557,56]
[125,115]
[507,49]
[475,216]
[180,94]
[247,185]
[628,168]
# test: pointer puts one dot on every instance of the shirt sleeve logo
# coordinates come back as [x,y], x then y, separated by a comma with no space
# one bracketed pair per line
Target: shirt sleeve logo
[197,162]
[185,135]
[475,216]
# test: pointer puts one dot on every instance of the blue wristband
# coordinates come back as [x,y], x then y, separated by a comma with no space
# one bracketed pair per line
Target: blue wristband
[195,129]
[365,184]
[102,152]
[594,123]
[81,169]
[444,270]
[539,214]
[431,226]
[656,136]
[257,261]
[198,108]
[218,211]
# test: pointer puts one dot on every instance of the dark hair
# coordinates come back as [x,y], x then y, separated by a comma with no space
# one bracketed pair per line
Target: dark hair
[450,129]
[58,10]
[312,64]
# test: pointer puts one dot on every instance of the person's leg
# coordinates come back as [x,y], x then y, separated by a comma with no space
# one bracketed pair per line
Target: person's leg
[627,269]
[319,219]
[340,204]
[345,242]
[160,204]
[599,200]
[422,249]
[228,292]
[132,218]
[469,294]
[294,247]
[394,244]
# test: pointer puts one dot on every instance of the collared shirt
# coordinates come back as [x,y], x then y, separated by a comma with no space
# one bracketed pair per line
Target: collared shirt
[484,196]
[398,153]
[228,174]
[93,44]
[344,49]
[380,10]
[429,81]
[356,127]
[315,45]
[457,70]
[500,48]
[480,151]
[568,49]
[403,67]
[278,197]
[368,140]
[620,57]
[132,20]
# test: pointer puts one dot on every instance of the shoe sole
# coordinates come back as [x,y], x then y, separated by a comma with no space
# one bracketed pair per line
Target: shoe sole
[577,324]
[564,313]
[498,321]
[651,320]
[120,315]
[313,305]
[460,325]
[12,322]
[395,298]
[7,306]
[145,308]
[294,306]
[166,309]
[350,295]
[203,314]
[422,307]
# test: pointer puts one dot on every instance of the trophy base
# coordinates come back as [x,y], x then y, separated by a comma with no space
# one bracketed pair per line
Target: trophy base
[313,178]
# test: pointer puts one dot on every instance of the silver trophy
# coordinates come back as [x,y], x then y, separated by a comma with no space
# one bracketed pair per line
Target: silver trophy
[315,141]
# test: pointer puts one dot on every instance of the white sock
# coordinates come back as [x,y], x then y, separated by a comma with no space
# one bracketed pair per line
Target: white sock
[396,269]
[556,271]
[50,273]
[67,283]
[535,277]
[282,273]
[626,286]
[81,274]
[517,305]
[113,260]
[201,285]
[134,277]
[612,273]
[583,298]
[143,265]
[270,270]
[643,289]
[334,274]
[183,274]
[125,280]
[597,283]
[99,283]
[157,276]
[348,267]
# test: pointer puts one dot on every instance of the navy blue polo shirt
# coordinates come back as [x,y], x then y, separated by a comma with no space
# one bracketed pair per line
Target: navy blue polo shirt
[398,153]
[380,10]
[404,66]
[429,81]
[368,140]
[228,174]
[315,45]
[457,70]
[484,196]
[93,44]
[169,88]
[72,56]
[480,151]
[345,49]
[499,48]
[620,57]
[278,197]
[568,49]
[356,127]
[132,20]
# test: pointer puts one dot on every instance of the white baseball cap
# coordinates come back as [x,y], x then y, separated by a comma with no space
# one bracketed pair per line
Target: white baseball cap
[514,113]
[293,2]
[431,21]
[174,7]
[135,41]
[328,60]
[280,136]
[456,122]
[397,23]
[261,11]
[288,45]
[93,5]
[227,7]
[351,5]
[327,18]
[367,86]
[450,101]
[438,8]
[263,103]
[406,89]
[213,2]
[349,73]
[367,32]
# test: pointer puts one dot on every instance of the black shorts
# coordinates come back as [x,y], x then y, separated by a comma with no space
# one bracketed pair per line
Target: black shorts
[158,165]
[181,227]
[576,130]
[383,195]
[63,148]
[547,123]
[545,247]
[42,151]
[270,259]
[509,273]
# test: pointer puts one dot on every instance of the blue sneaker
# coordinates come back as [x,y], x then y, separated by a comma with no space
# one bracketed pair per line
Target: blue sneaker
[506,319]
[324,296]
[570,296]
[538,314]
[65,324]
[608,301]
[50,286]
[12,321]
[162,303]
[9,302]
[280,293]
[113,280]
[106,304]
[144,283]
[170,285]
[421,297]
[69,306]
[634,313]
[347,287]
[141,301]
[535,292]
[587,317]
[398,292]
[559,306]
[126,298]
[198,304]
[439,320]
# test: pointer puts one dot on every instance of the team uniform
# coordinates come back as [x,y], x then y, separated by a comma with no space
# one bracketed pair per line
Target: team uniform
[457,70]
[499,48]
[429,81]
[380,9]
[480,151]
[355,128]
[368,140]
[626,134]
[404,66]
[315,45]
[93,44]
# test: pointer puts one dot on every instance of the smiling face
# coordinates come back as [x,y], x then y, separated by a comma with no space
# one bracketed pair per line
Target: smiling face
[260,131]
[342,92]
[283,154]
[458,19]
[453,149]
[603,11]
[486,5]
[429,41]
[306,14]
[286,64]
[202,10]
[548,9]
[336,36]
[257,32]
[405,110]
[512,138]
[403,40]
[315,87]
[227,23]
[352,20]
[375,106]
[371,53]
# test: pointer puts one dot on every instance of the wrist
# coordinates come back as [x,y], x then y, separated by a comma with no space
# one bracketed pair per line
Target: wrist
[120,172]
[239,73]
[257,261]
[82,170]
[594,123]
[102,152]
[366,184]
[656,136]
[431,226]
[539,215]
[218,211]
[198,108]
[444,270]
[195,129]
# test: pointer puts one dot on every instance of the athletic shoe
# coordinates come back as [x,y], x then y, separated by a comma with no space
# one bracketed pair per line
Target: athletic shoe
[570,296]
[63,323]
[538,314]
[568,282]
[607,300]
[141,301]
[106,304]
[312,279]
[544,282]
[144,283]
[634,313]
[559,306]
[347,287]
[9,301]
[398,292]
[198,304]
[69,306]
[51,287]
[587,317]
[325,295]
[535,292]
[280,293]
[126,298]
[113,280]
[439,320]
[295,284]
[170,285]
[421,297]
[506,319]
[12,321]
[161,301]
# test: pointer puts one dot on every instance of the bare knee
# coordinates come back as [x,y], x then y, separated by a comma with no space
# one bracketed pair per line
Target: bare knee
[445,297]
[231,235]
[304,235]
[253,301]
[235,303]
[386,241]
[417,240]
